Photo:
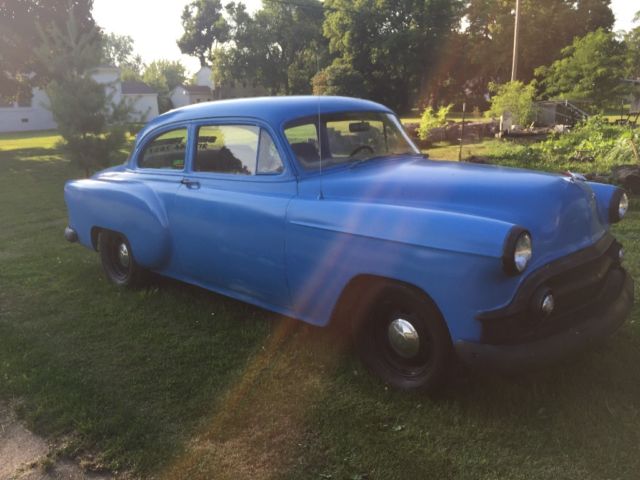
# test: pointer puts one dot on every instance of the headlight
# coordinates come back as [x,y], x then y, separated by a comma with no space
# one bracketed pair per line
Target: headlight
[619,206]
[517,251]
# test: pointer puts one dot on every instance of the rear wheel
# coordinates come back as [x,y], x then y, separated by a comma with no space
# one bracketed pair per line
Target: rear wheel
[117,260]
[402,338]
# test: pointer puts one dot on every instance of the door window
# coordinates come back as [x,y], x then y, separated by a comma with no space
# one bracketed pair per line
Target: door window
[237,150]
[269,161]
[165,151]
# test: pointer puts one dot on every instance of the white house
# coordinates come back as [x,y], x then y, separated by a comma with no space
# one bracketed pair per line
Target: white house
[202,91]
[36,116]
[187,94]
[204,76]
[206,90]
[143,98]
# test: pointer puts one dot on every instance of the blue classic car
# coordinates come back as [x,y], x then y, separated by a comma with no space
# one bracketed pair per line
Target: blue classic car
[322,209]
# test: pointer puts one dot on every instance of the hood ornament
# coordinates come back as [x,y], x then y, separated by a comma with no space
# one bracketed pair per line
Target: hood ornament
[574,176]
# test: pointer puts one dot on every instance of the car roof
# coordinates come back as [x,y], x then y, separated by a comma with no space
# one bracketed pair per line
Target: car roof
[273,110]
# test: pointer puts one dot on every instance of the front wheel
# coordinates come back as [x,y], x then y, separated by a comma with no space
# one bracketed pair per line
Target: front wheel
[402,338]
[117,260]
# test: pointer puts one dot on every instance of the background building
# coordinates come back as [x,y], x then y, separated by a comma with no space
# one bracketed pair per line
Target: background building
[35,115]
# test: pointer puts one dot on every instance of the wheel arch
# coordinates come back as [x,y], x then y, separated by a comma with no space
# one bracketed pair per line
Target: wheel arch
[95,234]
[132,209]
[363,289]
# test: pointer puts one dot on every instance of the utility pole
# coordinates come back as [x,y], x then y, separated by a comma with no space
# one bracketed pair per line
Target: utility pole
[514,65]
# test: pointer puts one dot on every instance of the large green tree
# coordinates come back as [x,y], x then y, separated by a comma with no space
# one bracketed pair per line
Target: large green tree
[279,48]
[546,27]
[393,44]
[163,76]
[205,27]
[590,69]
[632,40]
[20,21]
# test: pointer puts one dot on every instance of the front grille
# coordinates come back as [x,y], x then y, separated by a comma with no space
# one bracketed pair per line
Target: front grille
[577,284]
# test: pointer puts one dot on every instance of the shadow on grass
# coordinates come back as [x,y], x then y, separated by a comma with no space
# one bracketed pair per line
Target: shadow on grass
[303,407]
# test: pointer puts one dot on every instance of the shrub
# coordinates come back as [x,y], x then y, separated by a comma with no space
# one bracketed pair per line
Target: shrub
[592,146]
[431,119]
[514,97]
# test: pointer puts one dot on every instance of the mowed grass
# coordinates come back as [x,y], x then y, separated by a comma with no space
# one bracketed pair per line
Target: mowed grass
[176,382]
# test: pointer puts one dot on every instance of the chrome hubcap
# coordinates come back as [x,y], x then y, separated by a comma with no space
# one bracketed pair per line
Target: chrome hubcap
[123,255]
[403,338]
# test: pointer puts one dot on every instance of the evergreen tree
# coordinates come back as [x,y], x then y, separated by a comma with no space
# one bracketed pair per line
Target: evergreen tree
[93,128]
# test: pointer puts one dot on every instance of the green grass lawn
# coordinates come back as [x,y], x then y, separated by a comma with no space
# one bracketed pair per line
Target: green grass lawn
[177,382]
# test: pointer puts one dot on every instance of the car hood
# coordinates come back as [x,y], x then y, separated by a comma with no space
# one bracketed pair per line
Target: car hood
[560,212]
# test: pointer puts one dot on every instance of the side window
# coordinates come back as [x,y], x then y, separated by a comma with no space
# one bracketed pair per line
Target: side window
[269,161]
[236,149]
[165,151]
[227,149]
[304,143]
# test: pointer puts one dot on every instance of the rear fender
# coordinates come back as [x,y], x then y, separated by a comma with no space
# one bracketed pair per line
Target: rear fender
[136,212]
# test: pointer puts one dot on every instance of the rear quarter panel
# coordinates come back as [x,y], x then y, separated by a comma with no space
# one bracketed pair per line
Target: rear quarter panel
[121,203]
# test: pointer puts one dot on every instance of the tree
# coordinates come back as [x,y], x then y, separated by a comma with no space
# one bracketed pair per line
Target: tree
[632,41]
[391,43]
[278,48]
[339,78]
[515,98]
[118,50]
[92,127]
[163,76]
[590,69]
[546,27]
[19,39]
[205,27]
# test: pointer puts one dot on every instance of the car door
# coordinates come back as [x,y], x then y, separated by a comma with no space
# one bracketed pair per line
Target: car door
[228,217]
[160,165]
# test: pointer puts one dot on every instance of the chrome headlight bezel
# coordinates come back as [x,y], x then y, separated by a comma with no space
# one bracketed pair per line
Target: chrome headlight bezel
[619,206]
[518,251]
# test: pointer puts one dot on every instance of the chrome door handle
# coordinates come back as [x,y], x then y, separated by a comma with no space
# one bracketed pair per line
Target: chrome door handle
[190,183]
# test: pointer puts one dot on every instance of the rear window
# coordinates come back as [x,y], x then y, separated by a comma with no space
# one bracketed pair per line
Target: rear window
[167,150]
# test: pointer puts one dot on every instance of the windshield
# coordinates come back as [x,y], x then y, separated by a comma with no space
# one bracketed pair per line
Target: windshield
[347,138]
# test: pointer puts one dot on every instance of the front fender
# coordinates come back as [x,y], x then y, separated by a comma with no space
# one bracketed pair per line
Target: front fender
[417,226]
[443,253]
[128,207]
[603,193]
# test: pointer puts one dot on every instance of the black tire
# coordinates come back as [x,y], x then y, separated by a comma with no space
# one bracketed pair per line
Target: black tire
[117,259]
[423,365]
